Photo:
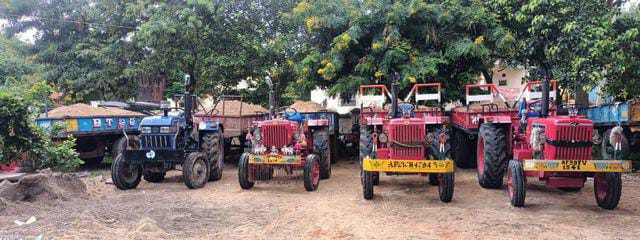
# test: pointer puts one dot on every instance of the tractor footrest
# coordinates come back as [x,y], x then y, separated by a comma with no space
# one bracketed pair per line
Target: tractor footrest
[577,165]
[408,166]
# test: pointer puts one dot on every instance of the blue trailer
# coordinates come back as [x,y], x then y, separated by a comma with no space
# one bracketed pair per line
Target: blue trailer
[96,134]
[607,116]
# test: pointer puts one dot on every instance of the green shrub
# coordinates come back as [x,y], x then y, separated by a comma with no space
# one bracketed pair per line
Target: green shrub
[24,142]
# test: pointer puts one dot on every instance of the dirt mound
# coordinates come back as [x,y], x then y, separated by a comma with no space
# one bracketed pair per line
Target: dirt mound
[43,187]
[84,110]
[237,108]
[302,106]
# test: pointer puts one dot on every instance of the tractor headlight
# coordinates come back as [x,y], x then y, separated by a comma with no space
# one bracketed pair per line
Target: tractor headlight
[383,138]
[258,136]
[202,125]
[145,130]
[165,129]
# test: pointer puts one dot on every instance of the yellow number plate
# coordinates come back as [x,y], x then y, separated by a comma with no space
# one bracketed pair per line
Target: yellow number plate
[412,166]
[577,165]
[274,159]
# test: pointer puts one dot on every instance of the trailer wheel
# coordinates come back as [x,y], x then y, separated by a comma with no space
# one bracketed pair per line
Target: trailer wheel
[607,148]
[212,144]
[125,175]
[446,183]
[607,188]
[492,155]
[366,146]
[517,183]
[195,170]
[154,177]
[311,173]
[121,144]
[321,147]
[463,150]
[367,184]
[243,172]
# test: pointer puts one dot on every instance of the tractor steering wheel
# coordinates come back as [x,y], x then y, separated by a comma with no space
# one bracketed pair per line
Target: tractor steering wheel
[286,114]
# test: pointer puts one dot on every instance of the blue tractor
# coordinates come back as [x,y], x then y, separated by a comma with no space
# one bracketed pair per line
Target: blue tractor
[170,140]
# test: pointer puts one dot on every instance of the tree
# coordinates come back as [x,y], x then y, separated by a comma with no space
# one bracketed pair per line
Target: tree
[353,43]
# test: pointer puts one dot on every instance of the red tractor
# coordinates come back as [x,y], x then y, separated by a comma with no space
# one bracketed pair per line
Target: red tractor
[288,144]
[404,139]
[558,151]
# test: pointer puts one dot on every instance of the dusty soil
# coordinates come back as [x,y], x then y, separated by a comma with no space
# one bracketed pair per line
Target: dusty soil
[403,208]
[304,106]
[236,108]
[84,110]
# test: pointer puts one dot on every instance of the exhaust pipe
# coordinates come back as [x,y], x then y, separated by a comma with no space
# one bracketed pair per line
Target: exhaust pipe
[545,93]
[272,98]
[394,95]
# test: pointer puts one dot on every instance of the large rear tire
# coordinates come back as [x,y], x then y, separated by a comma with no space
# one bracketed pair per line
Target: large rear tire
[195,170]
[517,183]
[366,146]
[607,188]
[311,173]
[121,145]
[213,145]
[125,175]
[243,172]
[321,147]
[492,155]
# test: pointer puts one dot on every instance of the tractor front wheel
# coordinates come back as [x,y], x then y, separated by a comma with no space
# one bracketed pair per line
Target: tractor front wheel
[125,175]
[195,170]
[607,188]
[311,173]
[446,183]
[243,172]
[517,183]
[492,155]
[367,184]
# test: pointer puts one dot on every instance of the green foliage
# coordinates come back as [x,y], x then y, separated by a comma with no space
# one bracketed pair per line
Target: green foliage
[353,43]
[21,140]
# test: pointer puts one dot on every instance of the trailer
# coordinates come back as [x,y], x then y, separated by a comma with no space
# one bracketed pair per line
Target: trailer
[236,123]
[96,132]
[605,117]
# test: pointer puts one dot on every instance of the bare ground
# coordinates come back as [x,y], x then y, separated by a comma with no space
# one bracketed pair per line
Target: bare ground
[403,207]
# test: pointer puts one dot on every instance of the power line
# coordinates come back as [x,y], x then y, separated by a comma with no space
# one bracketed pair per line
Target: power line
[69,21]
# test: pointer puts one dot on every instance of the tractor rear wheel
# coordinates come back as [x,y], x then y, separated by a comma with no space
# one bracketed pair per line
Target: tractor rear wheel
[607,188]
[607,148]
[195,170]
[492,155]
[213,145]
[311,173]
[463,149]
[243,172]
[517,183]
[154,177]
[322,148]
[125,175]
[446,183]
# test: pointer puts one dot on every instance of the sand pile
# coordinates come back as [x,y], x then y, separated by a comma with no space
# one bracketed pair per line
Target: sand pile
[43,187]
[233,107]
[302,106]
[84,110]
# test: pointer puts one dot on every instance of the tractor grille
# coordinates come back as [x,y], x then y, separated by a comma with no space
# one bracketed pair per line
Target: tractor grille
[276,135]
[156,141]
[412,136]
[573,142]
